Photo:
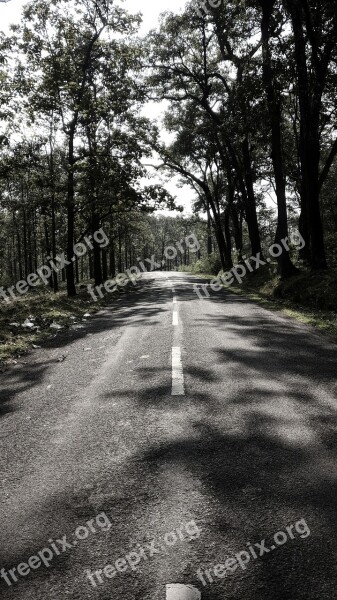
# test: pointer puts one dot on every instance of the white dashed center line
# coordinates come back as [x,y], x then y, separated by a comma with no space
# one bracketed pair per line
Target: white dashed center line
[175,318]
[178,388]
[177,591]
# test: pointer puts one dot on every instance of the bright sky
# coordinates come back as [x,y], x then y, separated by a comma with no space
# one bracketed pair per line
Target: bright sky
[10,12]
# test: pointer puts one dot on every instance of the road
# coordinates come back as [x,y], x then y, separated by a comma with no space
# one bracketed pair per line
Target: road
[195,429]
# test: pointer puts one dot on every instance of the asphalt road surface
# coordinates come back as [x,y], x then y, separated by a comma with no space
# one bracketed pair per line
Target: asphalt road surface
[167,436]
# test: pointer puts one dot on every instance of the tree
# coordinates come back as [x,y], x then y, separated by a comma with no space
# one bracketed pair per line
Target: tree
[62,40]
[275,117]
[185,60]
[314,26]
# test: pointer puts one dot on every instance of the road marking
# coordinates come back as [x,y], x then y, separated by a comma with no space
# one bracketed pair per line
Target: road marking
[178,388]
[175,319]
[177,591]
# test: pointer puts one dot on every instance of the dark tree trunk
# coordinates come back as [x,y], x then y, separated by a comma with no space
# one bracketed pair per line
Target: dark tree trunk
[311,170]
[310,91]
[112,259]
[120,265]
[229,261]
[219,234]
[18,237]
[104,264]
[209,232]
[247,194]
[286,267]
[53,217]
[53,244]
[237,226]
[95,225]
[34,236]
[303,224]
[91,266]
[77,272]
[25,243]
[126,250]
[48,249]
[250,201]
[71,288]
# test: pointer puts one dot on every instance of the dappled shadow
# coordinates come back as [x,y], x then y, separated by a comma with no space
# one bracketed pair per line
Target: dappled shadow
[157,396]
[245,464]
[18,380]
[253,484]
[268,453]
[275,347]
[137,307]
[262,485]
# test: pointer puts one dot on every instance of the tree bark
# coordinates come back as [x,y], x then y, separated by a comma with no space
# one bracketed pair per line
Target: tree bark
[71,288]
[310,101]
[250,201]
[95,225]
[286,266]
[237,225]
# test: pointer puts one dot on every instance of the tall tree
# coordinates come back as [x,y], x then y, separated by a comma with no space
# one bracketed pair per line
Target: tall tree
[272,87]
[314,26]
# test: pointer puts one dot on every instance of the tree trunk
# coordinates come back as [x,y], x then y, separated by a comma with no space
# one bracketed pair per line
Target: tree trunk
[219,234]
[311,181]
[250,202]
[286,267]
[48,248]
[17,233]
[310,90]
[209,232]
[104,264]
[120,265]
[53,216]
[71,288]
[95,225]
[237,225]
[229,261]
[112,259]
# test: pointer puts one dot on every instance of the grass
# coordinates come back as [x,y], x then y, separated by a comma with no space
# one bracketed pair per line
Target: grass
[310,298]
[43,308]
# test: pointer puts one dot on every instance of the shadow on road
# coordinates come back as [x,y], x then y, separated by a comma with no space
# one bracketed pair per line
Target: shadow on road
[263,458]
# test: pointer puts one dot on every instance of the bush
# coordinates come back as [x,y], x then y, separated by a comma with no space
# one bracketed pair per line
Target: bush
[316,290]
[210,264]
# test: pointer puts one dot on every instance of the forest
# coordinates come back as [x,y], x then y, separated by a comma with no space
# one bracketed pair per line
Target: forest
[247,91]
[168,299]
